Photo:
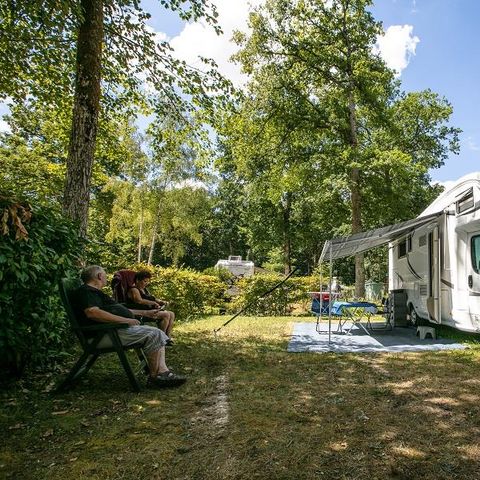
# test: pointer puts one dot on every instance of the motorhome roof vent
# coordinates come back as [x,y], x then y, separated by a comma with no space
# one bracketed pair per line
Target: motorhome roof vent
[465,203]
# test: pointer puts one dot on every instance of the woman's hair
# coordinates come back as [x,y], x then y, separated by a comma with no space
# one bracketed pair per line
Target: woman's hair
[142,275]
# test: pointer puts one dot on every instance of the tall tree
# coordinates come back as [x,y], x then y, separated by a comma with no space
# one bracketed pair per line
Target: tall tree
[321,55]
[113,45]
[85,112]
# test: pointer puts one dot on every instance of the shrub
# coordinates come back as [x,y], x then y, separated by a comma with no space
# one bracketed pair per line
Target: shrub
[187,291]
[279,302]
[37,247]
[192,293]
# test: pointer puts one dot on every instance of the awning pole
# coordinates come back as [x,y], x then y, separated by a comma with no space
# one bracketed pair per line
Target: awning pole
[320,290]
[330,298]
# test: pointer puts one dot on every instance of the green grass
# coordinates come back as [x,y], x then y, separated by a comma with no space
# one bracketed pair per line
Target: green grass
[252,410]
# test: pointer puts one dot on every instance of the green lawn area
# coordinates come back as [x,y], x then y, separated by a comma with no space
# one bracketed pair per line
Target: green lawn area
[252,410]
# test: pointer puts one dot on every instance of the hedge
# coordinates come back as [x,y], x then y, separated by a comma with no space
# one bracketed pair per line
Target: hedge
[37,247]
[188,292]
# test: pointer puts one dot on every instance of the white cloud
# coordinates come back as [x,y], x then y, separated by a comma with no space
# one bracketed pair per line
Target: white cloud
[472,145]
[190,183]
[397,46]
[199,39]
[4,127]
[447,184]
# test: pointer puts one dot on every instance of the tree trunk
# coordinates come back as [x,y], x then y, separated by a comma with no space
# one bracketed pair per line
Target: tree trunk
[140,235]
[287,244]
[355,192]
[152,244]
[85,113]
[356,228]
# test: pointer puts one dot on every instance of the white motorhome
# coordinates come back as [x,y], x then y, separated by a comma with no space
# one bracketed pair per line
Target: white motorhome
[237,266]
[437,264]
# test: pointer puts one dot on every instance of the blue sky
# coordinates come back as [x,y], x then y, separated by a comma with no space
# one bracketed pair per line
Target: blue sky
[431,43]
[434,43]
[446,60]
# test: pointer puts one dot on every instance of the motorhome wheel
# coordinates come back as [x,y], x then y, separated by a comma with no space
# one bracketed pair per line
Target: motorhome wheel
[415,320]
[413,316]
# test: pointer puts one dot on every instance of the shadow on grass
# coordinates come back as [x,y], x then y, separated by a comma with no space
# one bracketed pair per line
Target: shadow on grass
[251,410]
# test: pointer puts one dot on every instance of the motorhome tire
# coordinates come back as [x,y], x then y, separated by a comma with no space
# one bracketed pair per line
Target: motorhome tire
[413,316]
[415,320]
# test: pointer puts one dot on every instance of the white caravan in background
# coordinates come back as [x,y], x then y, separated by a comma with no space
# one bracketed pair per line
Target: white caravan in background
[236,266]
[438,263]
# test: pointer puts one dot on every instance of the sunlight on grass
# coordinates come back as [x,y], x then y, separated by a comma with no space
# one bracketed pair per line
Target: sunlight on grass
[252,410]
[409,452]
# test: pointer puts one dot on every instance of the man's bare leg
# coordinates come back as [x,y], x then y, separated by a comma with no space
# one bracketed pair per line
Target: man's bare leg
[156,362]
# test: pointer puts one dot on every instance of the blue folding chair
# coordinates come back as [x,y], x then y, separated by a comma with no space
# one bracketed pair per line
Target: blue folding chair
[322,309]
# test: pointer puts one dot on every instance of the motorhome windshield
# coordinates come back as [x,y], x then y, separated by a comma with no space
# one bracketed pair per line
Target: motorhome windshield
[476,253]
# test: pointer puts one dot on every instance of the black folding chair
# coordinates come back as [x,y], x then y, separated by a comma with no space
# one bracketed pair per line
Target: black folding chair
[90,336]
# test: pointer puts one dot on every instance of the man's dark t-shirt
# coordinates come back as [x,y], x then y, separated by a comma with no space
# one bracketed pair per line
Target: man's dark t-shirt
[87,297]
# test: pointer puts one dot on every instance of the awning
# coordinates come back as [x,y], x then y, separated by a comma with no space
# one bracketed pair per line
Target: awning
[361,242]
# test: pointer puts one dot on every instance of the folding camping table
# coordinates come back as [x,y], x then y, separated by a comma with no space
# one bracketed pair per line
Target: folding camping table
[354,312]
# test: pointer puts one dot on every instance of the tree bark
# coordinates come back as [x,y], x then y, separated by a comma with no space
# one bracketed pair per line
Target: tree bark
[152,244]
[287,244]
[85,113]
[140,236]
[356,199]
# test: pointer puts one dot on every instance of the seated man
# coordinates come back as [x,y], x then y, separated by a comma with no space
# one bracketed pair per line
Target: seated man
[139,297]
[92,305]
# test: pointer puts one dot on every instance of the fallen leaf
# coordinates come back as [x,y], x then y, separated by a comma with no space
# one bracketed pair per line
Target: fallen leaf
[16,426]
[60,412]
[48,433]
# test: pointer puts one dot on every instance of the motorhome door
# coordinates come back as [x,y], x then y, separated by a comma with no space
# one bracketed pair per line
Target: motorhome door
[473,269]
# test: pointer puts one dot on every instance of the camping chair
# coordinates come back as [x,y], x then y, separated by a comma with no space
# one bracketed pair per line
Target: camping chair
[321,309]
[387,313]
[121,282]
[90,336]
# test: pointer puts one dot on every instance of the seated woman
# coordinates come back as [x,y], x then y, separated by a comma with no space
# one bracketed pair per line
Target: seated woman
[140,298]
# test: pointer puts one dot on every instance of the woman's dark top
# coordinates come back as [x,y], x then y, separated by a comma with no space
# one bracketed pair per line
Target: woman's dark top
[145,296]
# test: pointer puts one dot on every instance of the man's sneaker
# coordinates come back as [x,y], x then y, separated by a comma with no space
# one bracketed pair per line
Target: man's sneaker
[169,342]
[166,379]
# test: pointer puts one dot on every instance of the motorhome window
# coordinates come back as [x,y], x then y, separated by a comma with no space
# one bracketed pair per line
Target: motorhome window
[402,249]
[422,241]
[465,203]
[476,253]
[409,243]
